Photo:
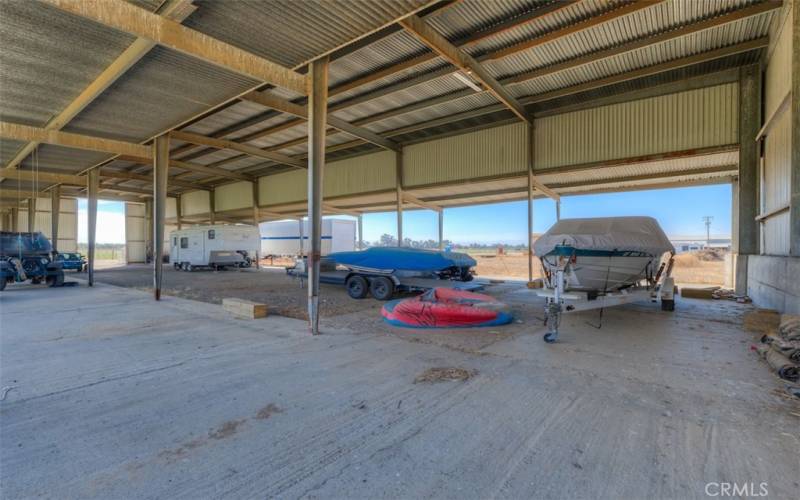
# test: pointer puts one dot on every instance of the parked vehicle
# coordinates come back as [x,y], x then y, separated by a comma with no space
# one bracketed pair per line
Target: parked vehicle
[73,261]
[603,262]
[27,257]
[383,272]
[216,247]
[282,238]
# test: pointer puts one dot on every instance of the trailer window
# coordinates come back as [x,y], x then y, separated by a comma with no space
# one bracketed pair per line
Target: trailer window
[210,234]
[175,241]
[184,242]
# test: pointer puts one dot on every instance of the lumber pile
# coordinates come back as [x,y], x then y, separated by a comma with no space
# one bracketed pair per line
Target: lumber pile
[714,292]
[245,308]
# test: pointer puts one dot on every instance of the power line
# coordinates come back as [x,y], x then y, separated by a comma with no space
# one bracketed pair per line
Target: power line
[707,221]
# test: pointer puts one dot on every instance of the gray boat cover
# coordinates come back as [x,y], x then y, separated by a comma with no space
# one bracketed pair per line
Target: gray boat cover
[638,234]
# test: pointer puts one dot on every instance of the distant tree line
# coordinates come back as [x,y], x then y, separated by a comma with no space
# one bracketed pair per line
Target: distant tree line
[387,240]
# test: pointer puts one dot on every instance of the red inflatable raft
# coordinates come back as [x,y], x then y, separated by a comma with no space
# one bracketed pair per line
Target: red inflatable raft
[446,308]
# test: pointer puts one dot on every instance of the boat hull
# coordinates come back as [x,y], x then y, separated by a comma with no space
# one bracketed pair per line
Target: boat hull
[604,273]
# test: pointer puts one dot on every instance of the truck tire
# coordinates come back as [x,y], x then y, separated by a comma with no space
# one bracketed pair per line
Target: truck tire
[382,288]
[2,283]
[357,287]
[56,279]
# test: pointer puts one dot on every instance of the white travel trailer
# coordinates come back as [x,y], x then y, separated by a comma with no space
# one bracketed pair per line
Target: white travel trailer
[282,238]
[216,246]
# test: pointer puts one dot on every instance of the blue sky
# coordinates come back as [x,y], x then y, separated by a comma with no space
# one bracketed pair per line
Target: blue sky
[678,210]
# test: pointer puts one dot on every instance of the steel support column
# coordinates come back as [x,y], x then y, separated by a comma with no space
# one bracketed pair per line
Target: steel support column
[399,183]
[794,109]
[317,119]
[179,210]
[92,186]
[148,230]
[14,214]
[31,215]
[160,171]
[441,229]
[748,184]
[55,213]
[361,232]
[529,159]
[256,221]
[212,206]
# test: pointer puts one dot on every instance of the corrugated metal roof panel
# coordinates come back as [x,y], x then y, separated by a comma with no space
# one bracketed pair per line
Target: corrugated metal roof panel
[161,90]
[433,88]
[48,58]
[375,56]
[238,112]
[647,56]
[69,160]
[297,31]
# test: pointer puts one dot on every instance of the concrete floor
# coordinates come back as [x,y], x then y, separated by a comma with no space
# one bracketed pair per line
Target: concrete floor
[113,395]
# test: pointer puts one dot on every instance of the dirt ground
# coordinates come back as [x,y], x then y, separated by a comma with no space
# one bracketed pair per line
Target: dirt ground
[283,294]
[689,268]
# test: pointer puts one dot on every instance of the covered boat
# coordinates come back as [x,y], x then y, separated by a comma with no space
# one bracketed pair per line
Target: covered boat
[408,261]
[446,308]
[604,254]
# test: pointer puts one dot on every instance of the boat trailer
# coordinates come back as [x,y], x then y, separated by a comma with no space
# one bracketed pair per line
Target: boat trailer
[560,300]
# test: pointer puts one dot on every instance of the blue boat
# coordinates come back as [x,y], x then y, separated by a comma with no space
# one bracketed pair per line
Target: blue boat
[407,262]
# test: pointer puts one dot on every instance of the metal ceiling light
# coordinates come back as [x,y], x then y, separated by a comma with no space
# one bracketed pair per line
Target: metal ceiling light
[467,81]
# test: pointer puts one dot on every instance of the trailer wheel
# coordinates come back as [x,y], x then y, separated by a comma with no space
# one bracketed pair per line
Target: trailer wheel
[357,287]
[381,288]
[177,266]
[667,305]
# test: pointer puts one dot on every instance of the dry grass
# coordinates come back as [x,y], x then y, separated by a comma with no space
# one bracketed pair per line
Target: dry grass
[689,267]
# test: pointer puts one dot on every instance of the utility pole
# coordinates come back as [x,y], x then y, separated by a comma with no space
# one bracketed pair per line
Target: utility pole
[707,221]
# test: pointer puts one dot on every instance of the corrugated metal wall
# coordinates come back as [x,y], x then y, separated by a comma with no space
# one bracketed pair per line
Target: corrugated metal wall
[233,196]
[169,210]
[686,120]
[67,222]
[486,153]
[195,202]
[285,187]
[775,190]
[362,174]
[135,226]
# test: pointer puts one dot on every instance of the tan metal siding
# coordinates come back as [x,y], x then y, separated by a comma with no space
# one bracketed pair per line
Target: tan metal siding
[373,172]
[285,187]
[195,202]
[485,153]
[777,78]
[233,196]
[775,188]
[776,235]
[135,232]
[169,208]
[67,222]
[686,120]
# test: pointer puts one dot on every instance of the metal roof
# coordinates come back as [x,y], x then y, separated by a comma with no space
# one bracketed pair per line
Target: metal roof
[167,89]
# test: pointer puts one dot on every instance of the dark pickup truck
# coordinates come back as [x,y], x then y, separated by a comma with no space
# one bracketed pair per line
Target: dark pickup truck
[28,256]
